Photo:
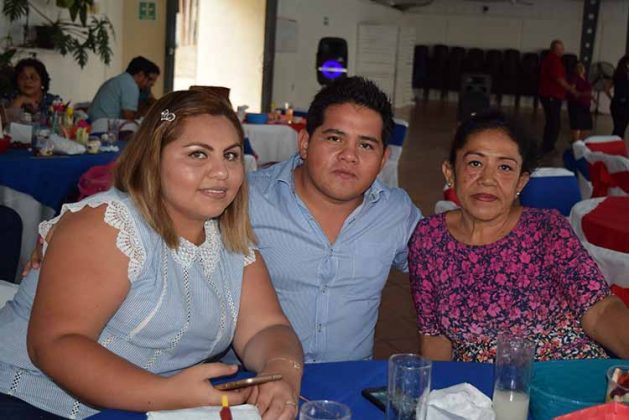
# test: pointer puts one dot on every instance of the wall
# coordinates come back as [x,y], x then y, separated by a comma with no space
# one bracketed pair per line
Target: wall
[230,48]
[67,79]
[144,37]
[294,77]
[526,28]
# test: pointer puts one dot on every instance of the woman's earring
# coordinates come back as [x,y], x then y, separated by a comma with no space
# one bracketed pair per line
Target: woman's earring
[517,194]
[449,184]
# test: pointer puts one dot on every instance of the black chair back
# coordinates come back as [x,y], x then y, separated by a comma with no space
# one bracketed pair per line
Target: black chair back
[10,244]
[455,68]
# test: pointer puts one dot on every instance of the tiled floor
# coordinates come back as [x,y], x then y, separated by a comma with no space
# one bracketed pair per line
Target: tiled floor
[432,126]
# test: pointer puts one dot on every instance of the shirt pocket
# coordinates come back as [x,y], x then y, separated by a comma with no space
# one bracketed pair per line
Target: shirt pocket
[371,264]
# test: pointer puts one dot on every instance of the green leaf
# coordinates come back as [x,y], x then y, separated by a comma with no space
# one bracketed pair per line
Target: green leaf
[15,9]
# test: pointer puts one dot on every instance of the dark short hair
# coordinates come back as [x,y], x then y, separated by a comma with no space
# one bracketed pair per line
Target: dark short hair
[39,68]
[496,120]
[354,90]
[141,64]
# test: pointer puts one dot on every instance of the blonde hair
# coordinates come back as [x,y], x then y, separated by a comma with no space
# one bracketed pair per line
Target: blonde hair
[138,170]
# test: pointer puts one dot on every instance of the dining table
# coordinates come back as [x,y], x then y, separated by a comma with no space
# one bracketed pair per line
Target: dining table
[602,225]
[344,381]
[36,186]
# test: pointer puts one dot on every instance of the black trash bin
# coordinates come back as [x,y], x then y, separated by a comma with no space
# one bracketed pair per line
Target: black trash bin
[474,95]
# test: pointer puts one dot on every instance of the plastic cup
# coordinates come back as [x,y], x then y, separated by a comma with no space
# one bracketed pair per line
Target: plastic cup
[617,385]
[324,410]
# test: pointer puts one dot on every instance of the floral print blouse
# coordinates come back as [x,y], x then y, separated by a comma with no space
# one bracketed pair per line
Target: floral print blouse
[538,280]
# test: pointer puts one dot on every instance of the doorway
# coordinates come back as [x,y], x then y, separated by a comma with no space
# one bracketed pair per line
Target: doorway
[218,43]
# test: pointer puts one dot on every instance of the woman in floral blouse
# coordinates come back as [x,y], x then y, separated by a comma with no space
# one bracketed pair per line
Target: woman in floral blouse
[493,266]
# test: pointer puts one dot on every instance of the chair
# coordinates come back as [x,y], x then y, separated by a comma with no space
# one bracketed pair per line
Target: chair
[96,179]
[607,174]
[529,76]
[437,67]
[474,61]
[493,65]
[420,68]
[455,67]
[510,72]
[551,188]
[10,242]
[443,206]
[611,145]
[389,173]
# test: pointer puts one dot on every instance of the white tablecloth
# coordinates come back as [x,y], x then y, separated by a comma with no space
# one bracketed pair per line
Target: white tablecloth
[272,143]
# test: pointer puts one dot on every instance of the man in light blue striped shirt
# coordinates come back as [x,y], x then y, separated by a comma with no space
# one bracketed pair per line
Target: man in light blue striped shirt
[328,230]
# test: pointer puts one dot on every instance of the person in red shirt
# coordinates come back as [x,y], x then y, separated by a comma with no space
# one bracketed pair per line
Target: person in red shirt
[552,91]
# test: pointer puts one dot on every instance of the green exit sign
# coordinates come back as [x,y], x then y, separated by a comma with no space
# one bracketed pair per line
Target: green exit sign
[147,10]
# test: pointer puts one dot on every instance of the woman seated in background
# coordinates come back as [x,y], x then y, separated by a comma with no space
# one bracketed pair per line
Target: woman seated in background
[493,266]
[142,283]
[32,82]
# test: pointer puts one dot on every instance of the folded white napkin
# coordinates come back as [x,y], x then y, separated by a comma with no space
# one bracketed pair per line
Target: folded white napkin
[459,402]
[65,146]
[239,412]
[20,133]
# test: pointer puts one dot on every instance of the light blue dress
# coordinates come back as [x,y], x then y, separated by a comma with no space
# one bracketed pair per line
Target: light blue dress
[181,308]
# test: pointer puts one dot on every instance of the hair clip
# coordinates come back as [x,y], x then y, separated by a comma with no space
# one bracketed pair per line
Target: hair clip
[167,116]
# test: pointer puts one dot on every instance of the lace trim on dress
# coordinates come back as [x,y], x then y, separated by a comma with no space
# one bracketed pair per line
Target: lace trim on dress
[251,257]
[117,215]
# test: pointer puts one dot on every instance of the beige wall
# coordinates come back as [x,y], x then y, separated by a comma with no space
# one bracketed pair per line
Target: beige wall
[145,38]
[230,48]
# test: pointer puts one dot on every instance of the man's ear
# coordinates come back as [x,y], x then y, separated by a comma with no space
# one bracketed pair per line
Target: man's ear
[385,156]
[303,142]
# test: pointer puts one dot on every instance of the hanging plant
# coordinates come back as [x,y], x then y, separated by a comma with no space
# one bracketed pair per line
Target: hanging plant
[82,34]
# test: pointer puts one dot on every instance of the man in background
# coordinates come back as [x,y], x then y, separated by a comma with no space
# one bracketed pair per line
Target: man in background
[552,91]
[118,97]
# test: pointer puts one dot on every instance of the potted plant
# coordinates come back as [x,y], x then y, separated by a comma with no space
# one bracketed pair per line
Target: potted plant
[82,34]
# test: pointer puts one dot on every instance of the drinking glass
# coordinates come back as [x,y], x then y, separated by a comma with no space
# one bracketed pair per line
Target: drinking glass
[324,410]
[513,369]
[618,384]
[408,387]
[113,130]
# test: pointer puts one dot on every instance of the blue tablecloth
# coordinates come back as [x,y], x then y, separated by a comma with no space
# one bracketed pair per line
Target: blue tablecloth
[343,381]
[48,180]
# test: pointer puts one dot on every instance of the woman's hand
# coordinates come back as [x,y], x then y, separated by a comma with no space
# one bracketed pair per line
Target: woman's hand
[191,387]
[278,399]
[22,100]
[36,256]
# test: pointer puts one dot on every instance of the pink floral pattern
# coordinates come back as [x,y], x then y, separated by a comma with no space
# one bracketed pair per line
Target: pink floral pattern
[538,280]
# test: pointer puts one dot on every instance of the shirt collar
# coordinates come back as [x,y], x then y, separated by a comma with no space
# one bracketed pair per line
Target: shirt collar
[286,176]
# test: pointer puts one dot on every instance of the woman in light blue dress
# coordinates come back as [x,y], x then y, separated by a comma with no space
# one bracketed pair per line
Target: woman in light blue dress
[141,284]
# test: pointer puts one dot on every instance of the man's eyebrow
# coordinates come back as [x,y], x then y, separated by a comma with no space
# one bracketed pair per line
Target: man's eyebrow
[342,133]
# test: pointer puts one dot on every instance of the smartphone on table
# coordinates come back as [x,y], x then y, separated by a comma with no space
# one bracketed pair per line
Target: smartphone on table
[377,396]
[242,383]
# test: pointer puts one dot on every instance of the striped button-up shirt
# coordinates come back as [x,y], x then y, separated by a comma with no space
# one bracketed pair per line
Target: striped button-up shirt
[330,292]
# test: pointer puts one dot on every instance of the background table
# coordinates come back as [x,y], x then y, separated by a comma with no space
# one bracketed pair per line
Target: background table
[36,187]
[343,381]
[271,142]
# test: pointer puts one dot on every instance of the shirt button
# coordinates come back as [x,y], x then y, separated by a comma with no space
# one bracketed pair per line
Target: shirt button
[319,328]
[323,289]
